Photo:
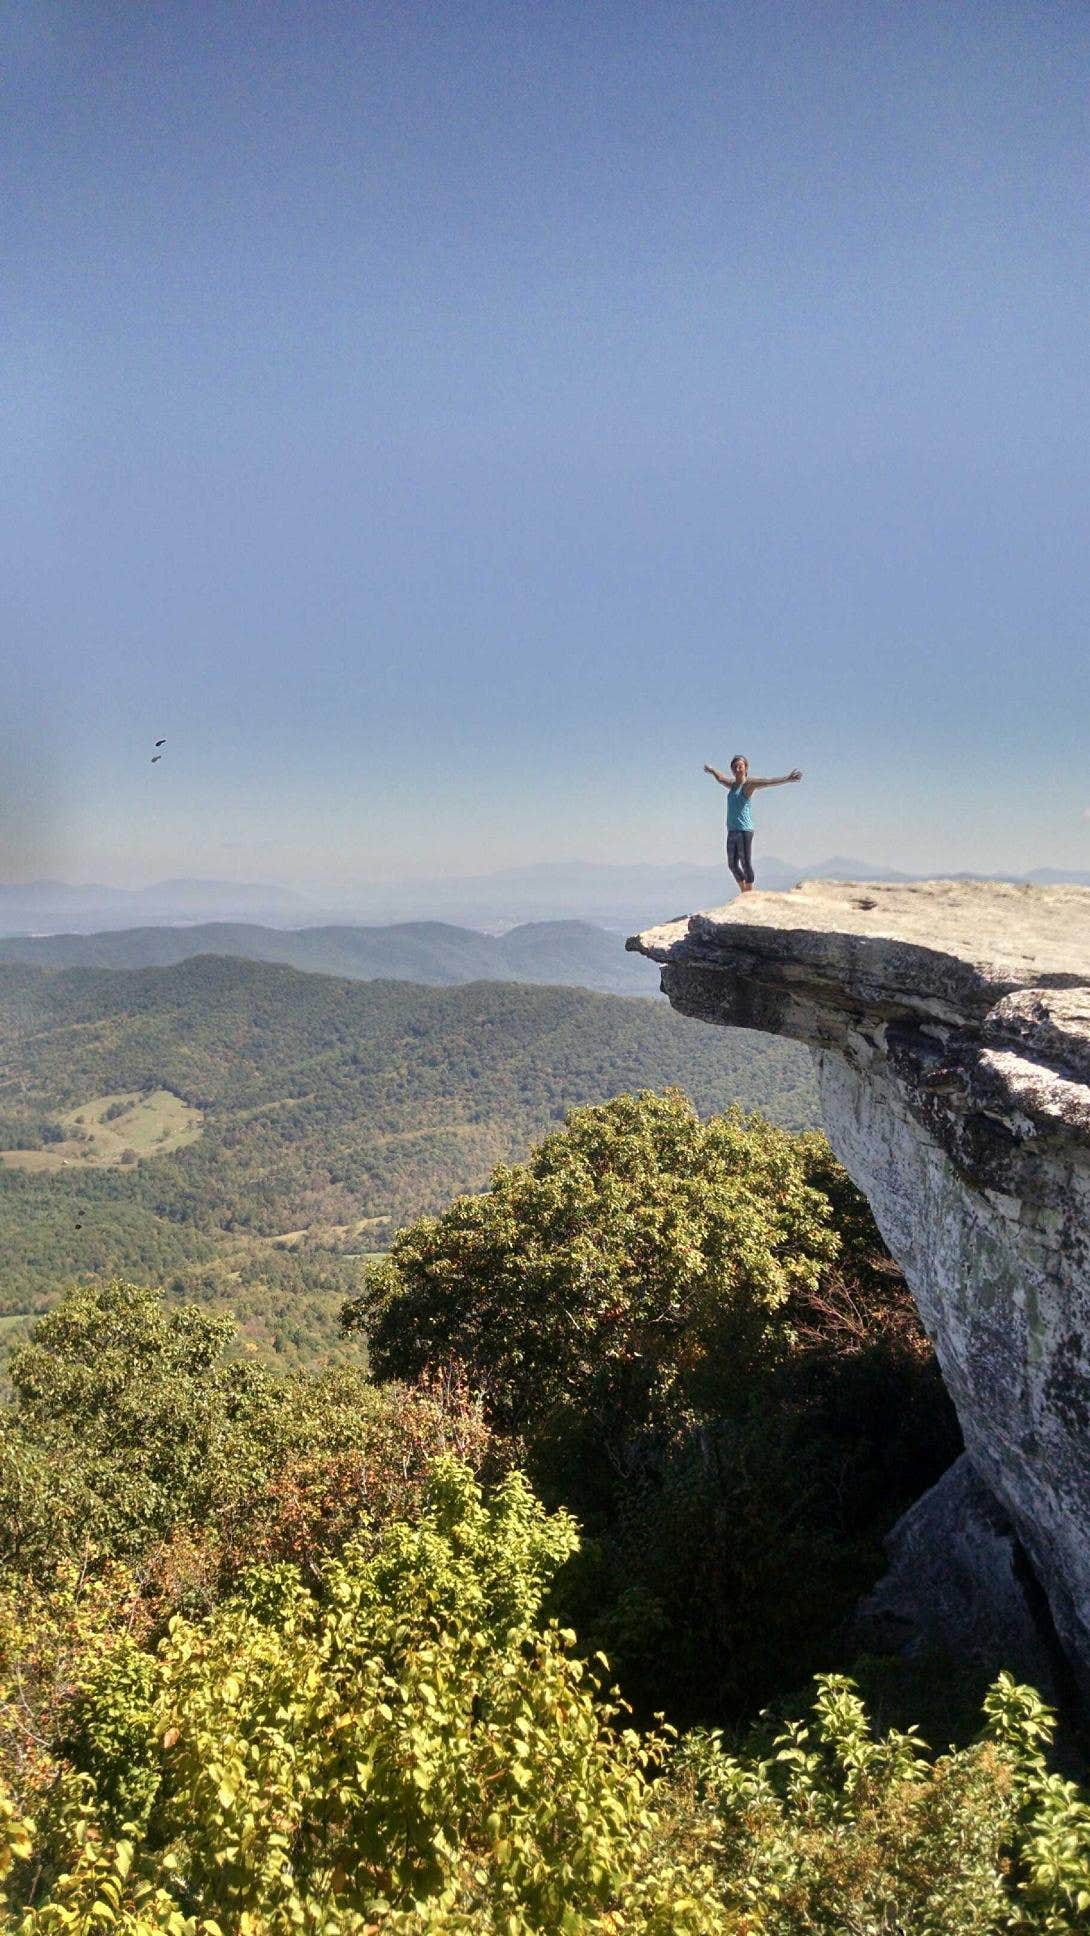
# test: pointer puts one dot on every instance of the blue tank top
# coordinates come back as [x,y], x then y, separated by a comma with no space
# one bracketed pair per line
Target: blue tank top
[739,817]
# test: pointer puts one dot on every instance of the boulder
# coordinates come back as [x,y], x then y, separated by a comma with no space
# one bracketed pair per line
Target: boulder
[959,1583]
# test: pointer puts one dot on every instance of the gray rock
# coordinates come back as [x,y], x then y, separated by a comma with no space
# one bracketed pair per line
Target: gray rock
[957,1582]
[951,1027]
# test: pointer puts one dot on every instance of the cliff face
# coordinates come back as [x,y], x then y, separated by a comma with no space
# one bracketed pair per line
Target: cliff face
[951,1028]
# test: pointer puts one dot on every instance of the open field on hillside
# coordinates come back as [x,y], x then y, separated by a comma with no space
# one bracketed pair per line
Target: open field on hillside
[337,1235]
[111,1130]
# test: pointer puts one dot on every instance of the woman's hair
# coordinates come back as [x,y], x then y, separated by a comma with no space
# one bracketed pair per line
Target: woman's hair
[738,756]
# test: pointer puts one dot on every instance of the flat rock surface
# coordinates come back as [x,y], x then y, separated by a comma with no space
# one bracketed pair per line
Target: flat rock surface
[1020,935]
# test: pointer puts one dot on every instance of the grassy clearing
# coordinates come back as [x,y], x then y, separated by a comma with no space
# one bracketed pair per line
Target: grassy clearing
[115,1129]
[330,1235]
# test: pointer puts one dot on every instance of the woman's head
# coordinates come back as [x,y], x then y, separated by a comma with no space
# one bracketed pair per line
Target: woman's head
[739,766]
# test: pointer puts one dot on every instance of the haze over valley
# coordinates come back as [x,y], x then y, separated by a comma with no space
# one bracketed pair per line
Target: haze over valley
[618,896]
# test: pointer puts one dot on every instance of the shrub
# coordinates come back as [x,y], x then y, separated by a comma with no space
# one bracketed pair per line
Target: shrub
[407,1746]
[133,1426]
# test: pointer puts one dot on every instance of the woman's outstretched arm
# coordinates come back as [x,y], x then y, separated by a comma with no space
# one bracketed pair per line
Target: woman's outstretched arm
[784,779]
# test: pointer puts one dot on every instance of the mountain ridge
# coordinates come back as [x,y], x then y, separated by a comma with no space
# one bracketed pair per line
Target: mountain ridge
[433,953]
[625,895]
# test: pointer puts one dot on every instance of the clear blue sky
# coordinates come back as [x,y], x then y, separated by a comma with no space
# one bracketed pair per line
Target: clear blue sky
[452,424]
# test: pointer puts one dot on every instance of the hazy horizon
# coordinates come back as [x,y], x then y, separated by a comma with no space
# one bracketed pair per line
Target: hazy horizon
[451,428]
[311,887]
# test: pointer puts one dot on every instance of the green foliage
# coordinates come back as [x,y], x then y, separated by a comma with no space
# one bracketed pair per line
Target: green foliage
[325,1102]
[133,1426]
[408,1745]
[137,1411]
[734,1398]
[1052,1818]
[837,1831]
[408,1748]
[51,1639]
[111,1719]
[601,1279]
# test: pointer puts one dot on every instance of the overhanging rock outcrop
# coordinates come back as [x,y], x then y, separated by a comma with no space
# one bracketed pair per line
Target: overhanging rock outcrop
[951,1028]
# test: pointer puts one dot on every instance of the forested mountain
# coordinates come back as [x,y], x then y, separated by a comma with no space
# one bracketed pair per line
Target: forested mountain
[243,1132]
[560,953]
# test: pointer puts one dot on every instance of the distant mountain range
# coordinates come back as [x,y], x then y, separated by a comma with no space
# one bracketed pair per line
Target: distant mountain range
[605,894]
[569,954]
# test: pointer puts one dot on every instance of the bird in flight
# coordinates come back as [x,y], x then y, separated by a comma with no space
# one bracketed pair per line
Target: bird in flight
[155,757]
[160,742]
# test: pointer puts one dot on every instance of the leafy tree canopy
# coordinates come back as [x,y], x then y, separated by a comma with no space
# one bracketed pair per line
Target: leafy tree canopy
[695,1332]
[132,1422]
[159,1419]
[636,1247]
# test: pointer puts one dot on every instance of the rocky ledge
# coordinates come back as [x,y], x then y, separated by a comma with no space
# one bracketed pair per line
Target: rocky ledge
[951,1028]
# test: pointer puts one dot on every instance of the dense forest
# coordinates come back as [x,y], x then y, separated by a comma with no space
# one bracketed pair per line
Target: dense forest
[326,1112]
[478,1644]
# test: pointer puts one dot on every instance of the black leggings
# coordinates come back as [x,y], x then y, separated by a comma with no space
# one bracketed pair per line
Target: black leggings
[740,856]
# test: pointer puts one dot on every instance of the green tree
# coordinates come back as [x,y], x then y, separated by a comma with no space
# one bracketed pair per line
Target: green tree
[636,1254]
[695,1332]
[133,1426]
[138,1412]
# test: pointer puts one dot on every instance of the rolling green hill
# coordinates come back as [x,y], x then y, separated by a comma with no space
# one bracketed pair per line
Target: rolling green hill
[560,953]
[318,1115]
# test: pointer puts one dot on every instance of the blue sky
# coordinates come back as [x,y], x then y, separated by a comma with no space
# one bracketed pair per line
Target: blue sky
[452,424]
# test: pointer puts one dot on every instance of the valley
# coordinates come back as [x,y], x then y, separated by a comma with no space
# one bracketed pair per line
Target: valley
[248,1135]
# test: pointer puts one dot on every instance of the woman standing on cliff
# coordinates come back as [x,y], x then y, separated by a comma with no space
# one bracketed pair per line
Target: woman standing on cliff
[740,791]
